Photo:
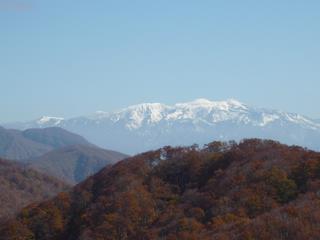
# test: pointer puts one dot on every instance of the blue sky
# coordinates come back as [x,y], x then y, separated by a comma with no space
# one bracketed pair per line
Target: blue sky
[69,58]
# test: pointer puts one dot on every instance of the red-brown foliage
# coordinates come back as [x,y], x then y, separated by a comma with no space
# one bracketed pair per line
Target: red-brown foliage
[256,189]
[20,186]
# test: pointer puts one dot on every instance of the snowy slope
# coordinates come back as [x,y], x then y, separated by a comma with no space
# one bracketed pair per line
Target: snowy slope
[151,125]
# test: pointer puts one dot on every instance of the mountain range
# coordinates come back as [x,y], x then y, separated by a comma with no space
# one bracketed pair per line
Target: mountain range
[148,126]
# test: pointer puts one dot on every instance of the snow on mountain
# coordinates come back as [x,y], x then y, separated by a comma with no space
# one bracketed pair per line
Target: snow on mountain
[49,120]
[138,115]
[150,125]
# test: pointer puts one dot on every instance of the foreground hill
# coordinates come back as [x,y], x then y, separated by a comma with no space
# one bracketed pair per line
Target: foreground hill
[74,163]
[252,190]
[21,145]
[20,186]
[147,126]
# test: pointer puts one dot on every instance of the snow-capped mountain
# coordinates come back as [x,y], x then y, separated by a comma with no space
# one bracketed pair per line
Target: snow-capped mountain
[151,125]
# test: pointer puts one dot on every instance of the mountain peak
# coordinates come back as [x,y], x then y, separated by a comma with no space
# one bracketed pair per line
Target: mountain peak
[49,120]
[208,104]
[234,102]
[147,106]
[137,114]
[201,101]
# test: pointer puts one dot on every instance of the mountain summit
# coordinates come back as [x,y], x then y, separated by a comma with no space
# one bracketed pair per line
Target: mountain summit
[30,143]
[151,125]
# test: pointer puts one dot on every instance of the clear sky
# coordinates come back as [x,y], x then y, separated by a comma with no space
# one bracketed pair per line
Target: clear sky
[73,57]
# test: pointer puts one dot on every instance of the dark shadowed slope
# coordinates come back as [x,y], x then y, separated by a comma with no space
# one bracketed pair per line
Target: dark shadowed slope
[253,190]
[73,164]
[21,145]
[20,186]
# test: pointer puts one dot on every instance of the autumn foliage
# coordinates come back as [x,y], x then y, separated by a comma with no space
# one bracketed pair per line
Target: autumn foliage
[20,186]
[257,189]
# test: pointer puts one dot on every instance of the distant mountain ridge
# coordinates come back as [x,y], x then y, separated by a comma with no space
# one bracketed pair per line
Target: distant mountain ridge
[74,163]
[22,145]
[151,125]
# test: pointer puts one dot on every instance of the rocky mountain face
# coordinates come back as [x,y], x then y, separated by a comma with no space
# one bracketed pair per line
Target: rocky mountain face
[151,125]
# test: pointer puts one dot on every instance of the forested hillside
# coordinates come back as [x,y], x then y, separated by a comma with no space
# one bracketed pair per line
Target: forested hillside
[20,186]
[256,189]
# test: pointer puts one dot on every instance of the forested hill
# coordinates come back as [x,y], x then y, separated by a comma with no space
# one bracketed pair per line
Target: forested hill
[252,190]
[20,186]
